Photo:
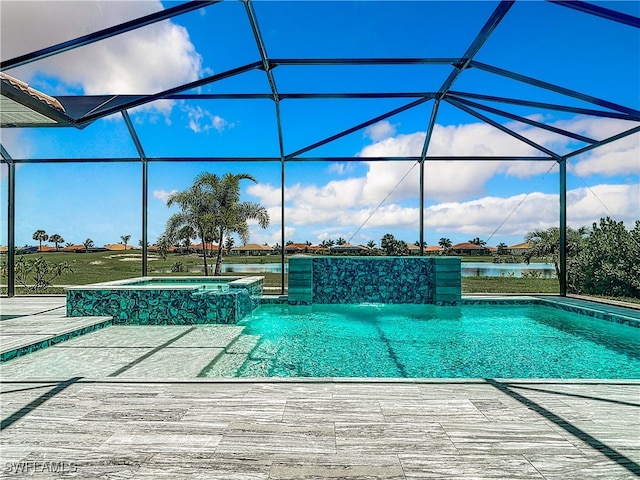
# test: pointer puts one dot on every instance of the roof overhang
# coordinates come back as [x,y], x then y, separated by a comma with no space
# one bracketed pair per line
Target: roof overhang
[24,106]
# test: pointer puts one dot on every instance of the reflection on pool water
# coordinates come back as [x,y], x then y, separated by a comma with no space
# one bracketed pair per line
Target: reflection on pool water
[485,269]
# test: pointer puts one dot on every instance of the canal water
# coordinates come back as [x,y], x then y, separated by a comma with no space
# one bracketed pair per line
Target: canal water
[469,269]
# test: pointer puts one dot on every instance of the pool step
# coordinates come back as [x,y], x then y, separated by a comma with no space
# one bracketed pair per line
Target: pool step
[25,334]
[235,355]
[226,365]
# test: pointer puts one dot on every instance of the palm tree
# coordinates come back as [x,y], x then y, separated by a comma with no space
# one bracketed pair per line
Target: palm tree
[186,234]
[341,241]
[371,244]
[88,243]
[125,239]
[503,249]
[327,244]
[546,244]
[195,205]
[478,242]
[445,244]
[57,240]
[41,236]
[228,244]
[230,215]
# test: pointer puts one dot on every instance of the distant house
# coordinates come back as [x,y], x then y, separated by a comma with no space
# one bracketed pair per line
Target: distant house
[46,248]
[519,248]
[294,248]
[117,247]
[413,249]
[155,248]
[73,248]
[211,247]
[81,249]
[468,248]
[348,249]
[252,249]
[433,250]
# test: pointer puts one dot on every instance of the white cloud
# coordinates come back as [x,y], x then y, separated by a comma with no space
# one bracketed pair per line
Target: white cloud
[380,131]
[617,158]
[539,210]
[145,60]
[271,236]
[340,168]
[269,195]
[163,195]
[447,180]
[201,120]
[455,180]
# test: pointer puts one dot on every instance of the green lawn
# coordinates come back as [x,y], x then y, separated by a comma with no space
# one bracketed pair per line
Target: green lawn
[108,266]
[97,267]
[509,285]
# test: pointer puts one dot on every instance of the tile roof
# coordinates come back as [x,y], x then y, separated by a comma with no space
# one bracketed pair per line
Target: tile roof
[24,87]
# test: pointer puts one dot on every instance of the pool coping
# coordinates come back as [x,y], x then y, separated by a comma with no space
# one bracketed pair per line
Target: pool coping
[52,339]
[130,283]
[342,380]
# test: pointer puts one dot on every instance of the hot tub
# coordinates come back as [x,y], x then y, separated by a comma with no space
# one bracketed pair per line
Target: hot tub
[167,300]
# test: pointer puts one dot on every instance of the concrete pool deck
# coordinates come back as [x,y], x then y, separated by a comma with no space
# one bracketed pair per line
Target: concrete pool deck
[314,428]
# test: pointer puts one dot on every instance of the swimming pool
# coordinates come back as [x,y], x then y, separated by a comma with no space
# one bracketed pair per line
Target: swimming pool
[411,341]
[531,338]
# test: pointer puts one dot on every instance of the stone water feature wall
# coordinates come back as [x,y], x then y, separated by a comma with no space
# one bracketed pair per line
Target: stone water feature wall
[340,280]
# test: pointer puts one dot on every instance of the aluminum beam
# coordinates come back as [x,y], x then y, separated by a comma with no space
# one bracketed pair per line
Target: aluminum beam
[358,127]
[364,61]
[546,106]
[503,128]
[165,93]
[145,189]
[106,33]
[555,88]
[488,28]
[604,142]
[11,221]
[528,121]
[267,67]
[600,12]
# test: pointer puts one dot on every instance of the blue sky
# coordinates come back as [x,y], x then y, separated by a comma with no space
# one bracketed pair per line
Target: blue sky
[496,201]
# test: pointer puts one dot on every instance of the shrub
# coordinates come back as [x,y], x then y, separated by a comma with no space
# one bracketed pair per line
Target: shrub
[608,263]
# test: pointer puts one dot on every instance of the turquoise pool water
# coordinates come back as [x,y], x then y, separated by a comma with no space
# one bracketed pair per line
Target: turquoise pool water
[487,341]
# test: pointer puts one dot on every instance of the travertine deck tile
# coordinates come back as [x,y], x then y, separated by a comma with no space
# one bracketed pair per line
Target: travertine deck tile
[279,437]
[319,410]
[476,467]
[380,438]
[338,466]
